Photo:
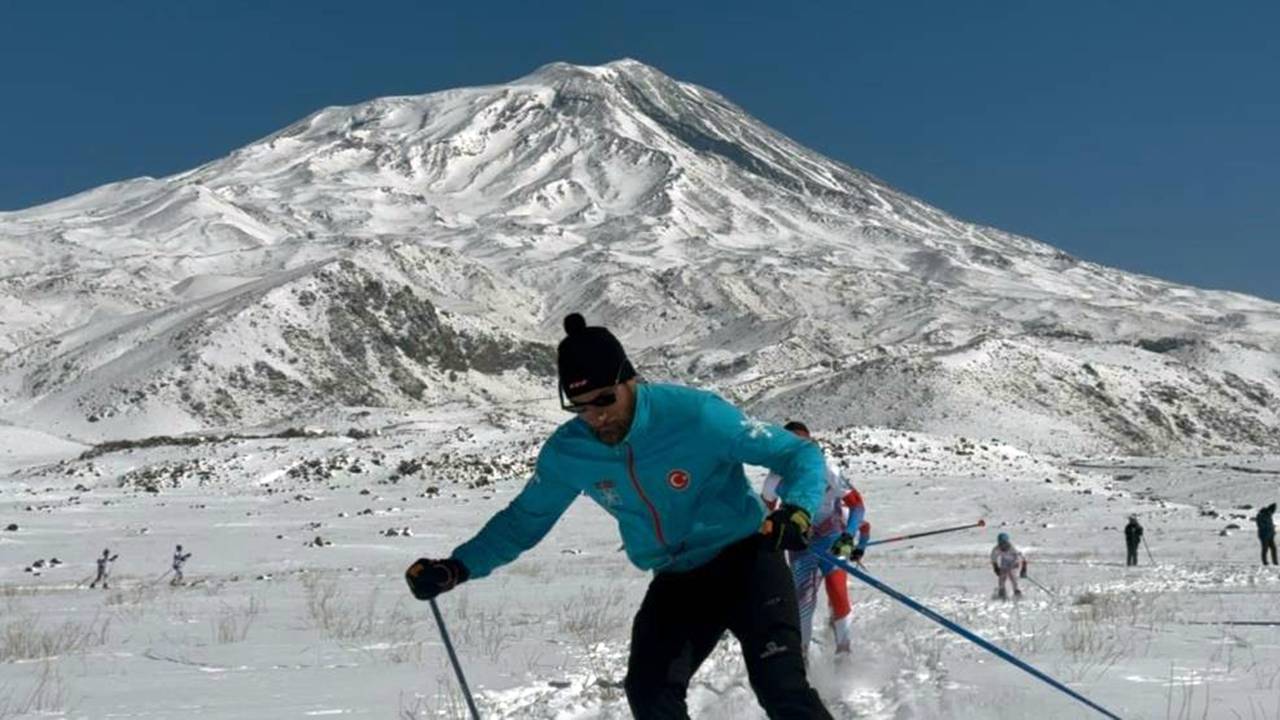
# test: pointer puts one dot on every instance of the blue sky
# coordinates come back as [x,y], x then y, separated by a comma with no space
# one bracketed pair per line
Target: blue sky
[1144,135]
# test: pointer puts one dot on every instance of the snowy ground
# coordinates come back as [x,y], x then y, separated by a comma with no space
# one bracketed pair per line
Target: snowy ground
[272,626]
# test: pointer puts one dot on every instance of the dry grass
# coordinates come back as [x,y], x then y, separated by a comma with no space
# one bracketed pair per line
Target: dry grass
[26,638]
[47,696]
[233,622]
[392,635]
[482,630]
[447,703]
[593,618]
[400,630]
[336,614]
[134,603]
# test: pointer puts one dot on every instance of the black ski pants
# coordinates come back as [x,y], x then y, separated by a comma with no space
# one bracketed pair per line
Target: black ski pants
[1131,556]
[747,590]
[1268,545]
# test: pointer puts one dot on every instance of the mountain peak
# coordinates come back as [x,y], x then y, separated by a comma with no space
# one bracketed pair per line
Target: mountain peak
[610,71]
[721,250]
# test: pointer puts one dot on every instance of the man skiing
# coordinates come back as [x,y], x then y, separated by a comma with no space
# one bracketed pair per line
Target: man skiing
[1009,565]
[841,508]
[179,559]
[666,462]
[1267,532]
[1132,539]
[104,569]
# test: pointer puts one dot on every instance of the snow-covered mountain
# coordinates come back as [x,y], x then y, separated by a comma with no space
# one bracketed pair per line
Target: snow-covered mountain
[414,251]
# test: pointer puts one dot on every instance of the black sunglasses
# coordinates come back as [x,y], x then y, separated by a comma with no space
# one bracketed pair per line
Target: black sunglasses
[604,399]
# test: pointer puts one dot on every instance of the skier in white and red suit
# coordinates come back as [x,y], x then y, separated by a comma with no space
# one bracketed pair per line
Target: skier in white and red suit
[842,508]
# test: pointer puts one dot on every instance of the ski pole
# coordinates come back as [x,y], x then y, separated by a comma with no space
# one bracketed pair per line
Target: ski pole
[964,633]
[1032,580]
[453,658]
[1148,549]
[1255,623]
[896,538]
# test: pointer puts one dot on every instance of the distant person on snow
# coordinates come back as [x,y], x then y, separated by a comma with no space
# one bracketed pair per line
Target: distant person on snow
[1267,532]
[841,508]
[666,462]
[104,569]
[1132,539]
[179,559]
[1009,565]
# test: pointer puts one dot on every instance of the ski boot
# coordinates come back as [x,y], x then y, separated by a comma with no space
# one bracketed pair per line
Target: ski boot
[843,631]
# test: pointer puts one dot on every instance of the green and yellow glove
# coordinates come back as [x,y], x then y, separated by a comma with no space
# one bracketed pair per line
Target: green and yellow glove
[787,528]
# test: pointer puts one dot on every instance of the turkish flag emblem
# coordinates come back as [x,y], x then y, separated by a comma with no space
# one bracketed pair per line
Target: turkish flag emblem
[678,479]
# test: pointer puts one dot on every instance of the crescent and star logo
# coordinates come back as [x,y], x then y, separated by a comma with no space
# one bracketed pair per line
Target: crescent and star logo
[678,479]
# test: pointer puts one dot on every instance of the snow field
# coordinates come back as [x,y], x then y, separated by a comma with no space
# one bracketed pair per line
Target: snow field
[271,625]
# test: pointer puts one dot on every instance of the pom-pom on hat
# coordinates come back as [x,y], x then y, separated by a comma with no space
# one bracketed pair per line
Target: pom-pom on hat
[590,358]
[796,426]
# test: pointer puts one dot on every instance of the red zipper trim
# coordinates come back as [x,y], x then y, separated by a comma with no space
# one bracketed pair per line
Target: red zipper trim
[657,522]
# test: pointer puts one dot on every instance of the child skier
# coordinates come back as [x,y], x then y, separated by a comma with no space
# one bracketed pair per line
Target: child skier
[179,558]
[104,569]
[842,508]
[1006,560]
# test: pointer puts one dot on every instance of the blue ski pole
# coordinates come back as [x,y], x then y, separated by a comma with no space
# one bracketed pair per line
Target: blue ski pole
[453,658]
[962,632]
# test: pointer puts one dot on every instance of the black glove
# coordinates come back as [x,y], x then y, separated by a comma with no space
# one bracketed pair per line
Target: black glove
[844,546]
[787,528]
[1023,573]
[857,554]
[995,569]
[428,578]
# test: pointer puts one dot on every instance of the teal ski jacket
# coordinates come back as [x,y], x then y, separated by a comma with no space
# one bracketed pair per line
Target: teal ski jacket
[675,483]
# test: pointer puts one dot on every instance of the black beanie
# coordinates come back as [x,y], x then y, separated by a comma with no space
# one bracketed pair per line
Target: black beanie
[590,358]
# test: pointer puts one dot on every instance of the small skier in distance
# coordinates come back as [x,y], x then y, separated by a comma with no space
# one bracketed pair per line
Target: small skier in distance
[1132,539]
[1267,532]
[104,569]
[1009,565]
[179,558]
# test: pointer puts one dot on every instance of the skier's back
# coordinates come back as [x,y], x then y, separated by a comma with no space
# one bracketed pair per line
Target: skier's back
[1132,539]
[1267,532]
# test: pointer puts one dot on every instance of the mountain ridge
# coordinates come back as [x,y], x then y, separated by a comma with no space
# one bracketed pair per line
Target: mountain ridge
[721,252]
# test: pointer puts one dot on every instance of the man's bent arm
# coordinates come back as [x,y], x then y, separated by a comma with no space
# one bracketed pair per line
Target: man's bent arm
[798,461]
[517,527]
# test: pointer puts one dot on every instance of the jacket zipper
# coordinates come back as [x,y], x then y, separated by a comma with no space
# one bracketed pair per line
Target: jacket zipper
[631,472]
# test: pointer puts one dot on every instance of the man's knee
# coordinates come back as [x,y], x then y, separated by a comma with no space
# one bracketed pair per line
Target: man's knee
[783,690]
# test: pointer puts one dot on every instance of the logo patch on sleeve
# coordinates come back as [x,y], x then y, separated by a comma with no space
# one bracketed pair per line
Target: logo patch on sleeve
[678,479]
[609,496]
